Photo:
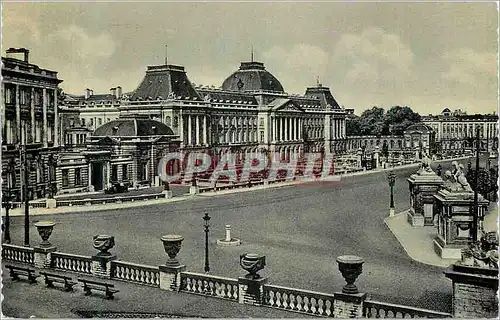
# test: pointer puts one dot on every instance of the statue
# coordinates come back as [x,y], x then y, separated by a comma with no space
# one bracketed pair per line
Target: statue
[455,181]
[484,253]
[425,165]
[461,179]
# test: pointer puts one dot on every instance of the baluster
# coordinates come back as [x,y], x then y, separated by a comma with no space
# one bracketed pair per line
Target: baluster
[328,307]
[299,306]
[271,298]
[314,303]
[307,304]
[319,310]
[291,303]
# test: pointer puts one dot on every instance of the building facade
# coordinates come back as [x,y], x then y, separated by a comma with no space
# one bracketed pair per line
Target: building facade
[455,131]
[30,129]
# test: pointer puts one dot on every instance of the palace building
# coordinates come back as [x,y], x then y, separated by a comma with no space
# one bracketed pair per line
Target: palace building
[30,126]
[456,131]
[249,113]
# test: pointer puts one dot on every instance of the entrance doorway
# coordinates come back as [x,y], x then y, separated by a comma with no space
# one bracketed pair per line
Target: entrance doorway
[97,175]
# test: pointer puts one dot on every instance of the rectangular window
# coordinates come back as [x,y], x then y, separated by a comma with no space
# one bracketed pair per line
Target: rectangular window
[99,121]
[91,122]
[114,173]
[65,177]
[124,172]
[83,121]
[78,177]
[262,136]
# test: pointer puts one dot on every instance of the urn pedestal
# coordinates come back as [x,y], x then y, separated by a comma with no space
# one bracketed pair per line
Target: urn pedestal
[349,302]
[42,252]
[251,286]
[50,203]
[101,262]
[170,273]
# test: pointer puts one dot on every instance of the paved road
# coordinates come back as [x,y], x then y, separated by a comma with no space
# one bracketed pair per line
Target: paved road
[301,229]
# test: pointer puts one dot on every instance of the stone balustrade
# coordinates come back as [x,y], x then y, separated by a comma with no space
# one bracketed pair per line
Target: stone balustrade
[250,289]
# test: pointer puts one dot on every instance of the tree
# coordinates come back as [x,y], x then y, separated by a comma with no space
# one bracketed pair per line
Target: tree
[372,121]
[400,118]
[353,127]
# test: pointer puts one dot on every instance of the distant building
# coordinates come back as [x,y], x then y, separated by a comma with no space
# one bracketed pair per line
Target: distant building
[30,125]
[455,131]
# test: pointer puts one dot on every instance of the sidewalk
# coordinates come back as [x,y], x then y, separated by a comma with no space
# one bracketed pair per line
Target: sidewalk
[418,241]
[22,300]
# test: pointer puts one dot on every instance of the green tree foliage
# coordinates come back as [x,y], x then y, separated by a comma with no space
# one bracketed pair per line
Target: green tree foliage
[376,121]
[372,121]
[400,118]
[353,127]
[487,181]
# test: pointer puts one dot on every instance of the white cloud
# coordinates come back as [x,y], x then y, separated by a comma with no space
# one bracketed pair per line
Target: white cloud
[470,67]
[372,54]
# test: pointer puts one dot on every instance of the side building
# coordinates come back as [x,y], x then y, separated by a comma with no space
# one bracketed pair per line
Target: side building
[456,131]
[30,129]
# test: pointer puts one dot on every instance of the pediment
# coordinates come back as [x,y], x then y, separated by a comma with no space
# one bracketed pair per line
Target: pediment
[285,105]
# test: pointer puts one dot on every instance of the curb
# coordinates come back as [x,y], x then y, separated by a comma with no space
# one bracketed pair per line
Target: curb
[403,246]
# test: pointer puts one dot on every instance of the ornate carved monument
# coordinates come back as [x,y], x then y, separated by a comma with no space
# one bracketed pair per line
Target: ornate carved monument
[423,186]
[455,209]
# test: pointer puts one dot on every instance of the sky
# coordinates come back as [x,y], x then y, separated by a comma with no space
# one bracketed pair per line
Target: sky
[424,55]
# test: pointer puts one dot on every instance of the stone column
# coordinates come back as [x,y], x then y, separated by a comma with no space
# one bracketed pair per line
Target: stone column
[57,135]
[197,135]
[32,109]
[170,273]
[108,173]
[190,128]
[300,128]
[275,129]
[18,118]
[45,130]
[205,130]
[181,128]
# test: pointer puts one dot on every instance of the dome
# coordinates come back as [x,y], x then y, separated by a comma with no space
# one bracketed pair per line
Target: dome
[421,127]
[132,127]
[252,76]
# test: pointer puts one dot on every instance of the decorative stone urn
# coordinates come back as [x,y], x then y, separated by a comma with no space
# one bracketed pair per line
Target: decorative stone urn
[103,243]
[252,263]
[350,267]
[172,246]
[44,229]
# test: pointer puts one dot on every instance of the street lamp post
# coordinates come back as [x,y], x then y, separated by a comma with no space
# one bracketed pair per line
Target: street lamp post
[476,206]
[206,218]
[10,176]
[391,178]
[24,154]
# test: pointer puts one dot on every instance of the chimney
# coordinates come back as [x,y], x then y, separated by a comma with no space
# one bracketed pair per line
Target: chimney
[87,93]
[14,53]
[118,92]
[113,91]
[91,92]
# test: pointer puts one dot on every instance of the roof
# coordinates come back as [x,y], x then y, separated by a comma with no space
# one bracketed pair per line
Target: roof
[132,127]
[252,76]
[422,127]
[324,95]
[221,96]
[165,81]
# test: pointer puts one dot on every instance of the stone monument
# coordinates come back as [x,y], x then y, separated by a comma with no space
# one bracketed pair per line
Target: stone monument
[475,280]
[423,186]
[455,210]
